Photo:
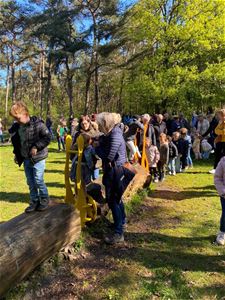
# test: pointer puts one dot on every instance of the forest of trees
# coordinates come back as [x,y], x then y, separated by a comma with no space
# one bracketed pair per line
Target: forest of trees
[84,56]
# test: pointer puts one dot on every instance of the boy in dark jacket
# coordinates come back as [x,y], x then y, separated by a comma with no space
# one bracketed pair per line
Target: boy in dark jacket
[173,154]
[30,138]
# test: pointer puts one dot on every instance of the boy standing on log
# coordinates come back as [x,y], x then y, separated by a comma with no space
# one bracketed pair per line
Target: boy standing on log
[30,138]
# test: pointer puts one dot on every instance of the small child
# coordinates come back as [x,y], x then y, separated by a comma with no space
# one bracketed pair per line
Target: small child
[185,149]
[173,154]
[30,138]
[196,146]
[176,141]
[206,149]
[164,156]
[153,157]
[219,180]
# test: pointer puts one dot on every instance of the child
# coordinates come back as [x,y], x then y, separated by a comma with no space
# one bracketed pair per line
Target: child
[187,138]
[30,138]
[219,181]
[196,146]
[173,154]
[176,141]
[184,148]
[206,149]
[153,157]
[164,156]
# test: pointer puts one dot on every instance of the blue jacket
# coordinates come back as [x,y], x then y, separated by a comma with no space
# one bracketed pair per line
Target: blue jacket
[112,147]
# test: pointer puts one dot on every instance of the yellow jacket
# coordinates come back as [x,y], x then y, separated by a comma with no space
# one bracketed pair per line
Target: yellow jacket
[220,131]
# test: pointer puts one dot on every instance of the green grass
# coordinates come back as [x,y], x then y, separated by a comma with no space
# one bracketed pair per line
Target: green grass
[14,193]
[172,253]
[169,251]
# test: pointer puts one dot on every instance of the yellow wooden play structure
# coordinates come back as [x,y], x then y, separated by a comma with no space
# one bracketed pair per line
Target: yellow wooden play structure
[85,204]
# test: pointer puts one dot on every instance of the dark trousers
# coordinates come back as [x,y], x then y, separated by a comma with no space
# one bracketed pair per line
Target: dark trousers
[222,219]
[117,207]
[153,172]
[219,152]
[161,170]
[119,216]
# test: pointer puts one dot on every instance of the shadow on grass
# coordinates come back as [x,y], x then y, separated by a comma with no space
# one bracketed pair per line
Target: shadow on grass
[181,195]
[14,197]
[54,171]
[55,184]
[168,256]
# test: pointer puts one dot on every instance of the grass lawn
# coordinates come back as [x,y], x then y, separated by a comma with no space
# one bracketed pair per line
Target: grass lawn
[14,193]
[169,251]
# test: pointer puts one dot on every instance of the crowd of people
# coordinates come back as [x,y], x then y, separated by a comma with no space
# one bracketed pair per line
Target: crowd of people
[169,142]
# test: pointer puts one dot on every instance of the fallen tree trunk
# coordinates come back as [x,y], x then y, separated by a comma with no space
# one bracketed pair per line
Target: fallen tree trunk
[29,239]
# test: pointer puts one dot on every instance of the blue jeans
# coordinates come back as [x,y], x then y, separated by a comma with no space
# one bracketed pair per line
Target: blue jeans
[61,140]
[35,179]
[222,219]
[189,159]
[205,155]
[119,216]
[178,164]
[171,165]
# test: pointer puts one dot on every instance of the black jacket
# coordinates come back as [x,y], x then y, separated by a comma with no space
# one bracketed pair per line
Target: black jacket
[131,133]
[173,152]
[37,135]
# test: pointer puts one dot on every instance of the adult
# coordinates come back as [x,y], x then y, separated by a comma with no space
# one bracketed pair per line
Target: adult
[220,139]
[130,136]
[175,126]
[159,127]
[112,150]
[49,125]
[167,119]
[89,133]
[150,133]
[203,124]
[184,122]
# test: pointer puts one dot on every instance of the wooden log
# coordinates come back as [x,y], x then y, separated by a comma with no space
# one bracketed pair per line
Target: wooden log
[139,181]
[29,239]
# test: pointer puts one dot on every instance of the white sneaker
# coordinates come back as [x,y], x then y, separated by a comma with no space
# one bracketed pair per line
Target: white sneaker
[220,239]
[212,171]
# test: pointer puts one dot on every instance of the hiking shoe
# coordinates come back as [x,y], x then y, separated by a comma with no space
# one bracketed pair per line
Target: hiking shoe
[220,239]
[32,207]
[115,239]
[43,204]
[212,171]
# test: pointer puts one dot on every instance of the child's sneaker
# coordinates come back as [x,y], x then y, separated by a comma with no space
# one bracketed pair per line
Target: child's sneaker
[220,239]
[32,207]
[43,204]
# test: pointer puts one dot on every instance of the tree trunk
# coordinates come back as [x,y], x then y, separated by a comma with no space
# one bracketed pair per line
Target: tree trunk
[69,75]
[87,93]
[13,75]
[48,89]
[7,92]
[29,239]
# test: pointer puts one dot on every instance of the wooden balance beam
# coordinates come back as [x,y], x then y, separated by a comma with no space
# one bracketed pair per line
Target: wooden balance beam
[29,239]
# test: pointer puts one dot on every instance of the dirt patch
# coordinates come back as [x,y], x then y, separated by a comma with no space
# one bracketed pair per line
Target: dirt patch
[83,272]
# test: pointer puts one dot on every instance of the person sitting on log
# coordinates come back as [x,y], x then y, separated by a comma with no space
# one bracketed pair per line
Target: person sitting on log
[30,138]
